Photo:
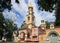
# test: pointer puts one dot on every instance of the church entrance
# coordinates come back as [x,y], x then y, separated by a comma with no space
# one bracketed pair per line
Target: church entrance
[53,36]
[22,36]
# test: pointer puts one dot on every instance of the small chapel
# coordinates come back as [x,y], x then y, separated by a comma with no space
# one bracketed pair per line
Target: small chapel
[29,32]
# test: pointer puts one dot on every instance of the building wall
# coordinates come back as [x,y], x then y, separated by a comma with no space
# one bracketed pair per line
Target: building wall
[34,36]
[35,32]
[43,37]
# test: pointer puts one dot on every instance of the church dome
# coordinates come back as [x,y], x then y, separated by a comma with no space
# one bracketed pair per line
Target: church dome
[30,6]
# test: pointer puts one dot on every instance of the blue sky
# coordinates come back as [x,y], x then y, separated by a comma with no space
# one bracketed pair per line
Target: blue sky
[19,11]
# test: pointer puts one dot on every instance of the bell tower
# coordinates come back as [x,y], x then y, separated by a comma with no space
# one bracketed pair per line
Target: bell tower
[30,18]
[43,25]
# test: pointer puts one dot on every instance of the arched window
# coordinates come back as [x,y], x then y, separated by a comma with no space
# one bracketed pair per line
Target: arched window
[28,18]
[28,35]
[22,35]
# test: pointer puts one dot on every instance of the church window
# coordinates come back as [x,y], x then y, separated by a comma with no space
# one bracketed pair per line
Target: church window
[28,18]
[42,21]
[28,35]
[34,36]
[22,35]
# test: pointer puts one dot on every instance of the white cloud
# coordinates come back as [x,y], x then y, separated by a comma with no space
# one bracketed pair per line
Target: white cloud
[10,15]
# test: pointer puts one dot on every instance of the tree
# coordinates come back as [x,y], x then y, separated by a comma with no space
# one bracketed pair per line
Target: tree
[1,25]
[50,5]
[5,4]
[57,12]
[47,24]
[10,28]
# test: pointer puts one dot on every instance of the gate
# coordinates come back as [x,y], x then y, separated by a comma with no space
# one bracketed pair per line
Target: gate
[53,36]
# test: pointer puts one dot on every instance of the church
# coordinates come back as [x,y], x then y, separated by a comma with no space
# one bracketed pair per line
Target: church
[29,32]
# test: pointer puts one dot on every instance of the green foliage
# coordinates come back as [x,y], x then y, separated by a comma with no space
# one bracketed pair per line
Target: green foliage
[47,24]
[10,28]
[7,26]
[6,4]
[57,12]
[47,5]
[1,25]
[1,20]
[16,1]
